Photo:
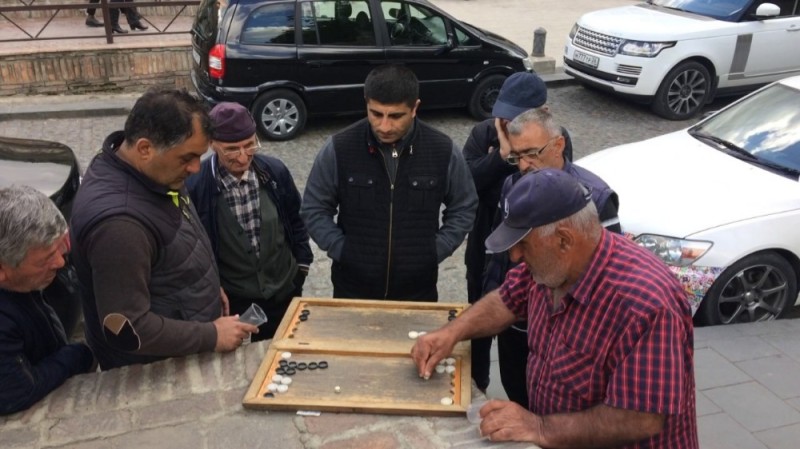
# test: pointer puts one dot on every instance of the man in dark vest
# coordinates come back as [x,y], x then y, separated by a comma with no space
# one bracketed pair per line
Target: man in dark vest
[148,276]
[250,208]
[387,177]
[536,142]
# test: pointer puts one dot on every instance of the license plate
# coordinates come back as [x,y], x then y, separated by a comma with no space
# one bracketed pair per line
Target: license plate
[196,56]
[583,58]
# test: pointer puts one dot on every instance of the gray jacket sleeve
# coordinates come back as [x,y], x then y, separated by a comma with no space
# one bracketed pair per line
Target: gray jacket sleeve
[321,204]
[460,203]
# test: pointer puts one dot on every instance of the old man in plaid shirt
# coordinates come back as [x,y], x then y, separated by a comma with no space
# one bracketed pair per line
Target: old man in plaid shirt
[610,337]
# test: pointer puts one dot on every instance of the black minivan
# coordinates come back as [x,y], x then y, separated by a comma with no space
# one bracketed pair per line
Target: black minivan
[286,59]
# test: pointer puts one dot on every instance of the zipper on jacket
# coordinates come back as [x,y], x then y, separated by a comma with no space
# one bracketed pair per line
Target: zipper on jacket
[391,221]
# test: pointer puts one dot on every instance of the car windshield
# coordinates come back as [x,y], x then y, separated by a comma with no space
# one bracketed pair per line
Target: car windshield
[727,10]
[765,125]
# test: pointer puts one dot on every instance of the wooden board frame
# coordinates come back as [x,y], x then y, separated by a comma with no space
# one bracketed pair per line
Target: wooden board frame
[377,345]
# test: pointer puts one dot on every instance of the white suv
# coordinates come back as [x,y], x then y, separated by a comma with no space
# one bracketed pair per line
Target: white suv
[678,54]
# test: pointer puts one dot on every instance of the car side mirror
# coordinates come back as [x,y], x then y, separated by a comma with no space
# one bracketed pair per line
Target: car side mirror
[451,44]
[767,10]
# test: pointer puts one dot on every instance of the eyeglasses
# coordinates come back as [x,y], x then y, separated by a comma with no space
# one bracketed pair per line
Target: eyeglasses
[532,153]
[229,151]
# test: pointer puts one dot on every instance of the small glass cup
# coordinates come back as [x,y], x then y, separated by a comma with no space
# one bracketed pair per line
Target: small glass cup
[474,412]
[253,315]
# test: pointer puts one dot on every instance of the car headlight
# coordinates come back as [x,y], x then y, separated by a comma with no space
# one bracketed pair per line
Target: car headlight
[672,250]
[644,49]
[573,31]
[528,64]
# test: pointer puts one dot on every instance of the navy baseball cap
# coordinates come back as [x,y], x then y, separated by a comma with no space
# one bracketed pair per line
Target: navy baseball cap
[232,122]
[520,92]
[538,198]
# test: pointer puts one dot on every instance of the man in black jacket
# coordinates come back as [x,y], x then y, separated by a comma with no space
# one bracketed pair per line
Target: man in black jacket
[250,208]
[35,357]
[374,196]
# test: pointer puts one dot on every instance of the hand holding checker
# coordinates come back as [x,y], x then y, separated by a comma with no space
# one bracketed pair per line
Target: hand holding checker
[431,348]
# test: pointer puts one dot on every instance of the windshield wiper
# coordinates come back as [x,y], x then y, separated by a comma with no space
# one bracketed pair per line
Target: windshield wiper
[735,148]
[741,153]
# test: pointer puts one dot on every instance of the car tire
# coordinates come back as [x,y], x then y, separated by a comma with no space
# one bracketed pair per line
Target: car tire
[484,96]
[759,287]
[683,92]
[280,114]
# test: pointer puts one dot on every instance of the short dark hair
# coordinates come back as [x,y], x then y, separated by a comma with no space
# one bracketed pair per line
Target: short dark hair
[392,84]
[164,116]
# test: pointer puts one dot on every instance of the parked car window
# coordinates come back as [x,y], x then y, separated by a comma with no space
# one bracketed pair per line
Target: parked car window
[337,22]
[464,39]
[270,24]
[411,24]
[209,13]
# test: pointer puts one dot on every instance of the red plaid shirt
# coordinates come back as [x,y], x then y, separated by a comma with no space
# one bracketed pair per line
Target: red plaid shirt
[622,337]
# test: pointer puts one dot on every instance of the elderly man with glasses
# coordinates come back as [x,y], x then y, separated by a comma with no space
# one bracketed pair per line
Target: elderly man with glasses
[249,206]
[535,142]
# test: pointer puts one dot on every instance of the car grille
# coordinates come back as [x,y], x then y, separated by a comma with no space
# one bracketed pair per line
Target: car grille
[601,43]
[629,69]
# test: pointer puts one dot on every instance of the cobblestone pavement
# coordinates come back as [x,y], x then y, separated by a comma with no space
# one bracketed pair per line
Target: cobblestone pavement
[594,120]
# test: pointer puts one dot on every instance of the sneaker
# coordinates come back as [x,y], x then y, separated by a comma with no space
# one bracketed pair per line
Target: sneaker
[92,22]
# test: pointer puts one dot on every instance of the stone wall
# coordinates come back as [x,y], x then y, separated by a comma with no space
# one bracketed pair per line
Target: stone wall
[83,62]
[99,70]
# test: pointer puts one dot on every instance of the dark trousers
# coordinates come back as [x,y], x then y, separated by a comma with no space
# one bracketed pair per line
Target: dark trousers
[275,307]
[512,352]
[481,347]
[91,11]
[131,14]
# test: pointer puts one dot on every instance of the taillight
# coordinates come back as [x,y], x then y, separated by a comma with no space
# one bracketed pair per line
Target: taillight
[216,61]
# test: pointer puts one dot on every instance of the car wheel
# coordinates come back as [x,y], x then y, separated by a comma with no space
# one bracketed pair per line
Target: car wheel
[760,287]
[280,114]
[683,92]
[484,96]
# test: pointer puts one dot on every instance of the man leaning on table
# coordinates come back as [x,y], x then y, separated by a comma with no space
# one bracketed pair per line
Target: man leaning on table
[610,335]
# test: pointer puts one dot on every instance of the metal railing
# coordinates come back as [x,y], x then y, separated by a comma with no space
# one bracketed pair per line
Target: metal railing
[104,6]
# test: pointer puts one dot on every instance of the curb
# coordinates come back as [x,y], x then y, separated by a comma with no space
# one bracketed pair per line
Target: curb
[43,107]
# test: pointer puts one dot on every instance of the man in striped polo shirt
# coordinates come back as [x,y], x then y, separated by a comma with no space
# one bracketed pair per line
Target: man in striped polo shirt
[610,336]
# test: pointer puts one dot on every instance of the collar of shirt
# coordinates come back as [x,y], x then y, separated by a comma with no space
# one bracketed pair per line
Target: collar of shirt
[229,181]
[589,281]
